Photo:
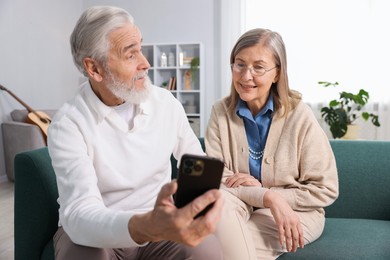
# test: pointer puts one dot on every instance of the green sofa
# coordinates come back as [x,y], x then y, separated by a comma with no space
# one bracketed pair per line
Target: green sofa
[357,224]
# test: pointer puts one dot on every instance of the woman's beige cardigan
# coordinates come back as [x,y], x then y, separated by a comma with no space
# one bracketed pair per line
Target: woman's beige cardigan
[298,160]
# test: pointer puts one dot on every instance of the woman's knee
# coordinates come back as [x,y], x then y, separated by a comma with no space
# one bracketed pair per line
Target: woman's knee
[210,248]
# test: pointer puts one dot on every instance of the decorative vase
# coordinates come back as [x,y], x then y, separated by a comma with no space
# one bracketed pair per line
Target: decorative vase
[352,132]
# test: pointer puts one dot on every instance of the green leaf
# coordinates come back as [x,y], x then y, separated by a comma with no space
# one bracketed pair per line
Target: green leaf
[327,84]
[334,103]
[345,110]
[365,115]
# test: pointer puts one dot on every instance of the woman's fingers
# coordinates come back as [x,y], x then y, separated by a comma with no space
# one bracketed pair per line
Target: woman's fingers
[244,179]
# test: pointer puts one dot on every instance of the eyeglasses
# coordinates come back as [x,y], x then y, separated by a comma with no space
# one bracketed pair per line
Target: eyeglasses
[256,70]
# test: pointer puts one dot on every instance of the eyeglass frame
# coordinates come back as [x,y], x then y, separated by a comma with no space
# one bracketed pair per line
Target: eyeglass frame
[251,70]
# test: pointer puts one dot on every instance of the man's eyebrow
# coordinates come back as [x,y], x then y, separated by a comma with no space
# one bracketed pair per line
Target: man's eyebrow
[131,46]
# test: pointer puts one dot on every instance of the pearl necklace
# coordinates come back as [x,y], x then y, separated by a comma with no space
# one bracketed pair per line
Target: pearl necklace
[255,155]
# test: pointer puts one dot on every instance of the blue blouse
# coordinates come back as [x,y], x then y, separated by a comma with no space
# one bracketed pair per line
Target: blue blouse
[256,129]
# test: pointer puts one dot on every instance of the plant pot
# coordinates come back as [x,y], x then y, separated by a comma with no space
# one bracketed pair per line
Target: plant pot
[352,133]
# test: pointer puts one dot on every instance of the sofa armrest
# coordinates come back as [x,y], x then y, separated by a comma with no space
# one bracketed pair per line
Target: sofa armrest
[19,137]
[35,206]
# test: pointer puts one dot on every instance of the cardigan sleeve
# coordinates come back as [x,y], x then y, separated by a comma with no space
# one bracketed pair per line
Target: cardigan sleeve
[300,163]
[214,144]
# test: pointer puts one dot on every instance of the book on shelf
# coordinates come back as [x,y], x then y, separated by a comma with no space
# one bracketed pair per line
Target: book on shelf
[172,83]
[169,84]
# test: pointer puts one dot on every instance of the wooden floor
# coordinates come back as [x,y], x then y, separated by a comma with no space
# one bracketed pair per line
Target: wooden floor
[7,220]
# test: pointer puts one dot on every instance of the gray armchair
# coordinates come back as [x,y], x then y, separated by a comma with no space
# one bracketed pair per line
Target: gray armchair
[19,136]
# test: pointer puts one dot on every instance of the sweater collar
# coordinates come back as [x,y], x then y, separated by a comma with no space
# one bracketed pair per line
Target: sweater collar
[101,110]
[242,109]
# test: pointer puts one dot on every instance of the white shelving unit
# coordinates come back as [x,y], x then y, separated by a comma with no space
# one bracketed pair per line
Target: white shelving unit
[188,88]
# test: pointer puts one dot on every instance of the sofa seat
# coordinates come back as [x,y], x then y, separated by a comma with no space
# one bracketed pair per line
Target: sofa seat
[348,239]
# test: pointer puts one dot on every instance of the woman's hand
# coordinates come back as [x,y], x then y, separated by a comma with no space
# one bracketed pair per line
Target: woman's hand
[288,222]
[243,179]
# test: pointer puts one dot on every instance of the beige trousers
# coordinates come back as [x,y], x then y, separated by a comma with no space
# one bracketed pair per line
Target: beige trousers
[247,234]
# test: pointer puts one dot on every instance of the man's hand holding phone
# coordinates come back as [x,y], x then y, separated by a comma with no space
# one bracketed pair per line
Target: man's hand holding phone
[197,174]
[196,193]
[167,222]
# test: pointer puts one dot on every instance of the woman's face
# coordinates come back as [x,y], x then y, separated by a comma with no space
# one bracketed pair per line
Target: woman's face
[252,87]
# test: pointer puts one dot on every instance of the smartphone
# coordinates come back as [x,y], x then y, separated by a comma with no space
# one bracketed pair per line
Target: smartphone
[197,174]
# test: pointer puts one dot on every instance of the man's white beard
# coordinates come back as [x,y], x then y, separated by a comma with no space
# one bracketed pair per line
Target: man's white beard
[128,92]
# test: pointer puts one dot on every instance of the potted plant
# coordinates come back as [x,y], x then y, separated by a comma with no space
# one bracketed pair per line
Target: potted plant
[194,67]
[342,112]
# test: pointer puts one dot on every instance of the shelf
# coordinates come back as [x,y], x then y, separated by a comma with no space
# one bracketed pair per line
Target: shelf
[171,63]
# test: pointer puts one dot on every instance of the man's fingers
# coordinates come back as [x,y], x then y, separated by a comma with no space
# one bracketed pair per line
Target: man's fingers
[201,202]
[166,192]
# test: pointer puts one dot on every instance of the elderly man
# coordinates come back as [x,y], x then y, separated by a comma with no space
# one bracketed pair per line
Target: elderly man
[110,148]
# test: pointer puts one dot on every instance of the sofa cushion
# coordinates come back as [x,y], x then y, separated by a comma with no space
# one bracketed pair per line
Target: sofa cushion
[364,179]
[348,239]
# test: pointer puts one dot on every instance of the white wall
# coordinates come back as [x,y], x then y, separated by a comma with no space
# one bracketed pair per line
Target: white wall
[35,59]
[330,40]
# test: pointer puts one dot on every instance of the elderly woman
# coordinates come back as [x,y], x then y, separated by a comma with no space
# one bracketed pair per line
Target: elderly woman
[280,171]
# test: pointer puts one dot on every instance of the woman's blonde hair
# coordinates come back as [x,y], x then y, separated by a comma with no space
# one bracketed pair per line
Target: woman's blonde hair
[283,96]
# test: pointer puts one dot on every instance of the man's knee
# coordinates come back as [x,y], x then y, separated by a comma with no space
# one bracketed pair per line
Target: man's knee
[65,249]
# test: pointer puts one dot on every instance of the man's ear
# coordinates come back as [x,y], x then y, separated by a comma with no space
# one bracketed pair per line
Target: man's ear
[93,68]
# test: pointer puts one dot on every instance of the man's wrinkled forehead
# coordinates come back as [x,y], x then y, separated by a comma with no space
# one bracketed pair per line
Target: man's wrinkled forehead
[125,38]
